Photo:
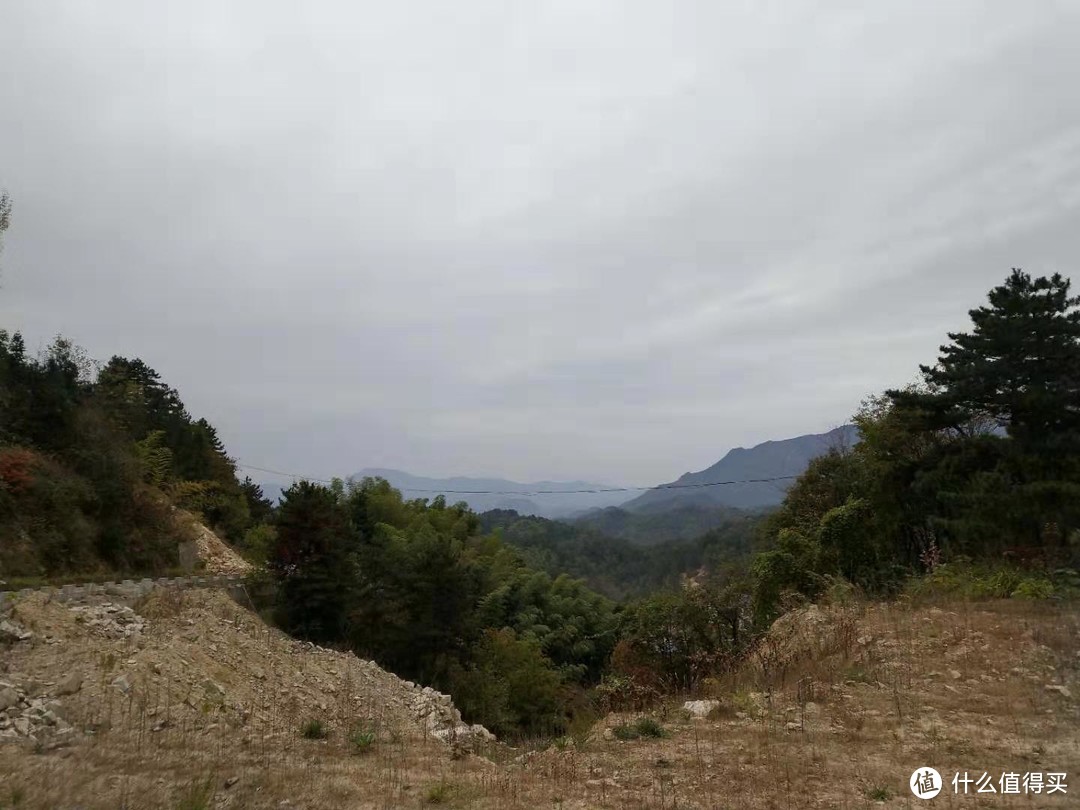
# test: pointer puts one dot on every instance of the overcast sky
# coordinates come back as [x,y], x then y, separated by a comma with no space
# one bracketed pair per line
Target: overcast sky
[600,240]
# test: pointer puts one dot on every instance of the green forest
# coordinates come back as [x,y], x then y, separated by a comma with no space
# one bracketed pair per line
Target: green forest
[617,567]
[968,480]
[661,526]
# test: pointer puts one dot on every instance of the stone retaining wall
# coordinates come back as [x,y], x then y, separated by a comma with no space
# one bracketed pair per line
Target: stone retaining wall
[128,589]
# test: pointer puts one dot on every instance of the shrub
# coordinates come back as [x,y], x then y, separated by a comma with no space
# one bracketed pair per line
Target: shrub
[644,727]
[1067,582]
[878,794]
[624,732]
[1000,584]
[840,592]
[980,582]
[361,739]
[440,793]
[17,468]
[618,693]
[581,724]
[197,796]
[1034,588]
[314,729]
[743,701]
[650,728]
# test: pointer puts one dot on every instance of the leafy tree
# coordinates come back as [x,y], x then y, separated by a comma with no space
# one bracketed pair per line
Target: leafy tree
[259,542]
[793,567]
[574,627]
[679,637]
[510,687]
[829,481]
[154,457]
[415,586]
[897,453]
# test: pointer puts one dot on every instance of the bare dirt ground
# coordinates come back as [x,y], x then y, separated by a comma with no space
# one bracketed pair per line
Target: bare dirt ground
[190,701]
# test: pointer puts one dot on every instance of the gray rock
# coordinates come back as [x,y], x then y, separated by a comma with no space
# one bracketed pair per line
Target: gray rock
[70,685]
[11,632]
[122,683]
[479,732]
[8,698]
[699,709]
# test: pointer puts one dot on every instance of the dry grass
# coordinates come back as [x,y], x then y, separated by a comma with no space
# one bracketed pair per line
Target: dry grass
[836,711]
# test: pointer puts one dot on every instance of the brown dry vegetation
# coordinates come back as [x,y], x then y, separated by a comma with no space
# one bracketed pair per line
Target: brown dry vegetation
[835,710]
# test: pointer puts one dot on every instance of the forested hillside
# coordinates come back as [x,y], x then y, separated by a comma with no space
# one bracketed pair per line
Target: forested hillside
[618,567]
[93,460]
[652,527]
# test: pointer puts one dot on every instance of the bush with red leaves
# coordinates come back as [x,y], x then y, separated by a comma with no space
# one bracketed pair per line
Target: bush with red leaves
[17,468]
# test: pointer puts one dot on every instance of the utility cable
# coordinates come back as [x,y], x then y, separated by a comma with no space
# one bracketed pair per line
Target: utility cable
[596,491]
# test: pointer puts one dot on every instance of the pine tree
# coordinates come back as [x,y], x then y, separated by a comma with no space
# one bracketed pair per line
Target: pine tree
[260,507]
[1019,366]
[312,563]
[1018,370]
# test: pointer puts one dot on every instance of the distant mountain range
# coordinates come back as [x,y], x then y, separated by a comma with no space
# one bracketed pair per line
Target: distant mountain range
[521,498]
[774,459]
[700,505]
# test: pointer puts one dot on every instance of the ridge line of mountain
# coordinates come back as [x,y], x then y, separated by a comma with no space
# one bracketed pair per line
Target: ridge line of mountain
[768,459]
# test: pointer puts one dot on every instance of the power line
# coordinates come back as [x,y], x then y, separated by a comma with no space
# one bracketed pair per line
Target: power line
[538,491]
[242,465]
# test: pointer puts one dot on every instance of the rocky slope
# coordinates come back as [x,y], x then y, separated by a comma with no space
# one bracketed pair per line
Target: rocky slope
[213,554]
[186,673]
[187,700]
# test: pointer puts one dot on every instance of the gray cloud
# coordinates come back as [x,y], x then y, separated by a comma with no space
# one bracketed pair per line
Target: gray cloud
[605,240]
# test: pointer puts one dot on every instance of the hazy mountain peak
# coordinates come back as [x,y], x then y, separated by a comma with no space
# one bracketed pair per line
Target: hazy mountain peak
[775,458]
